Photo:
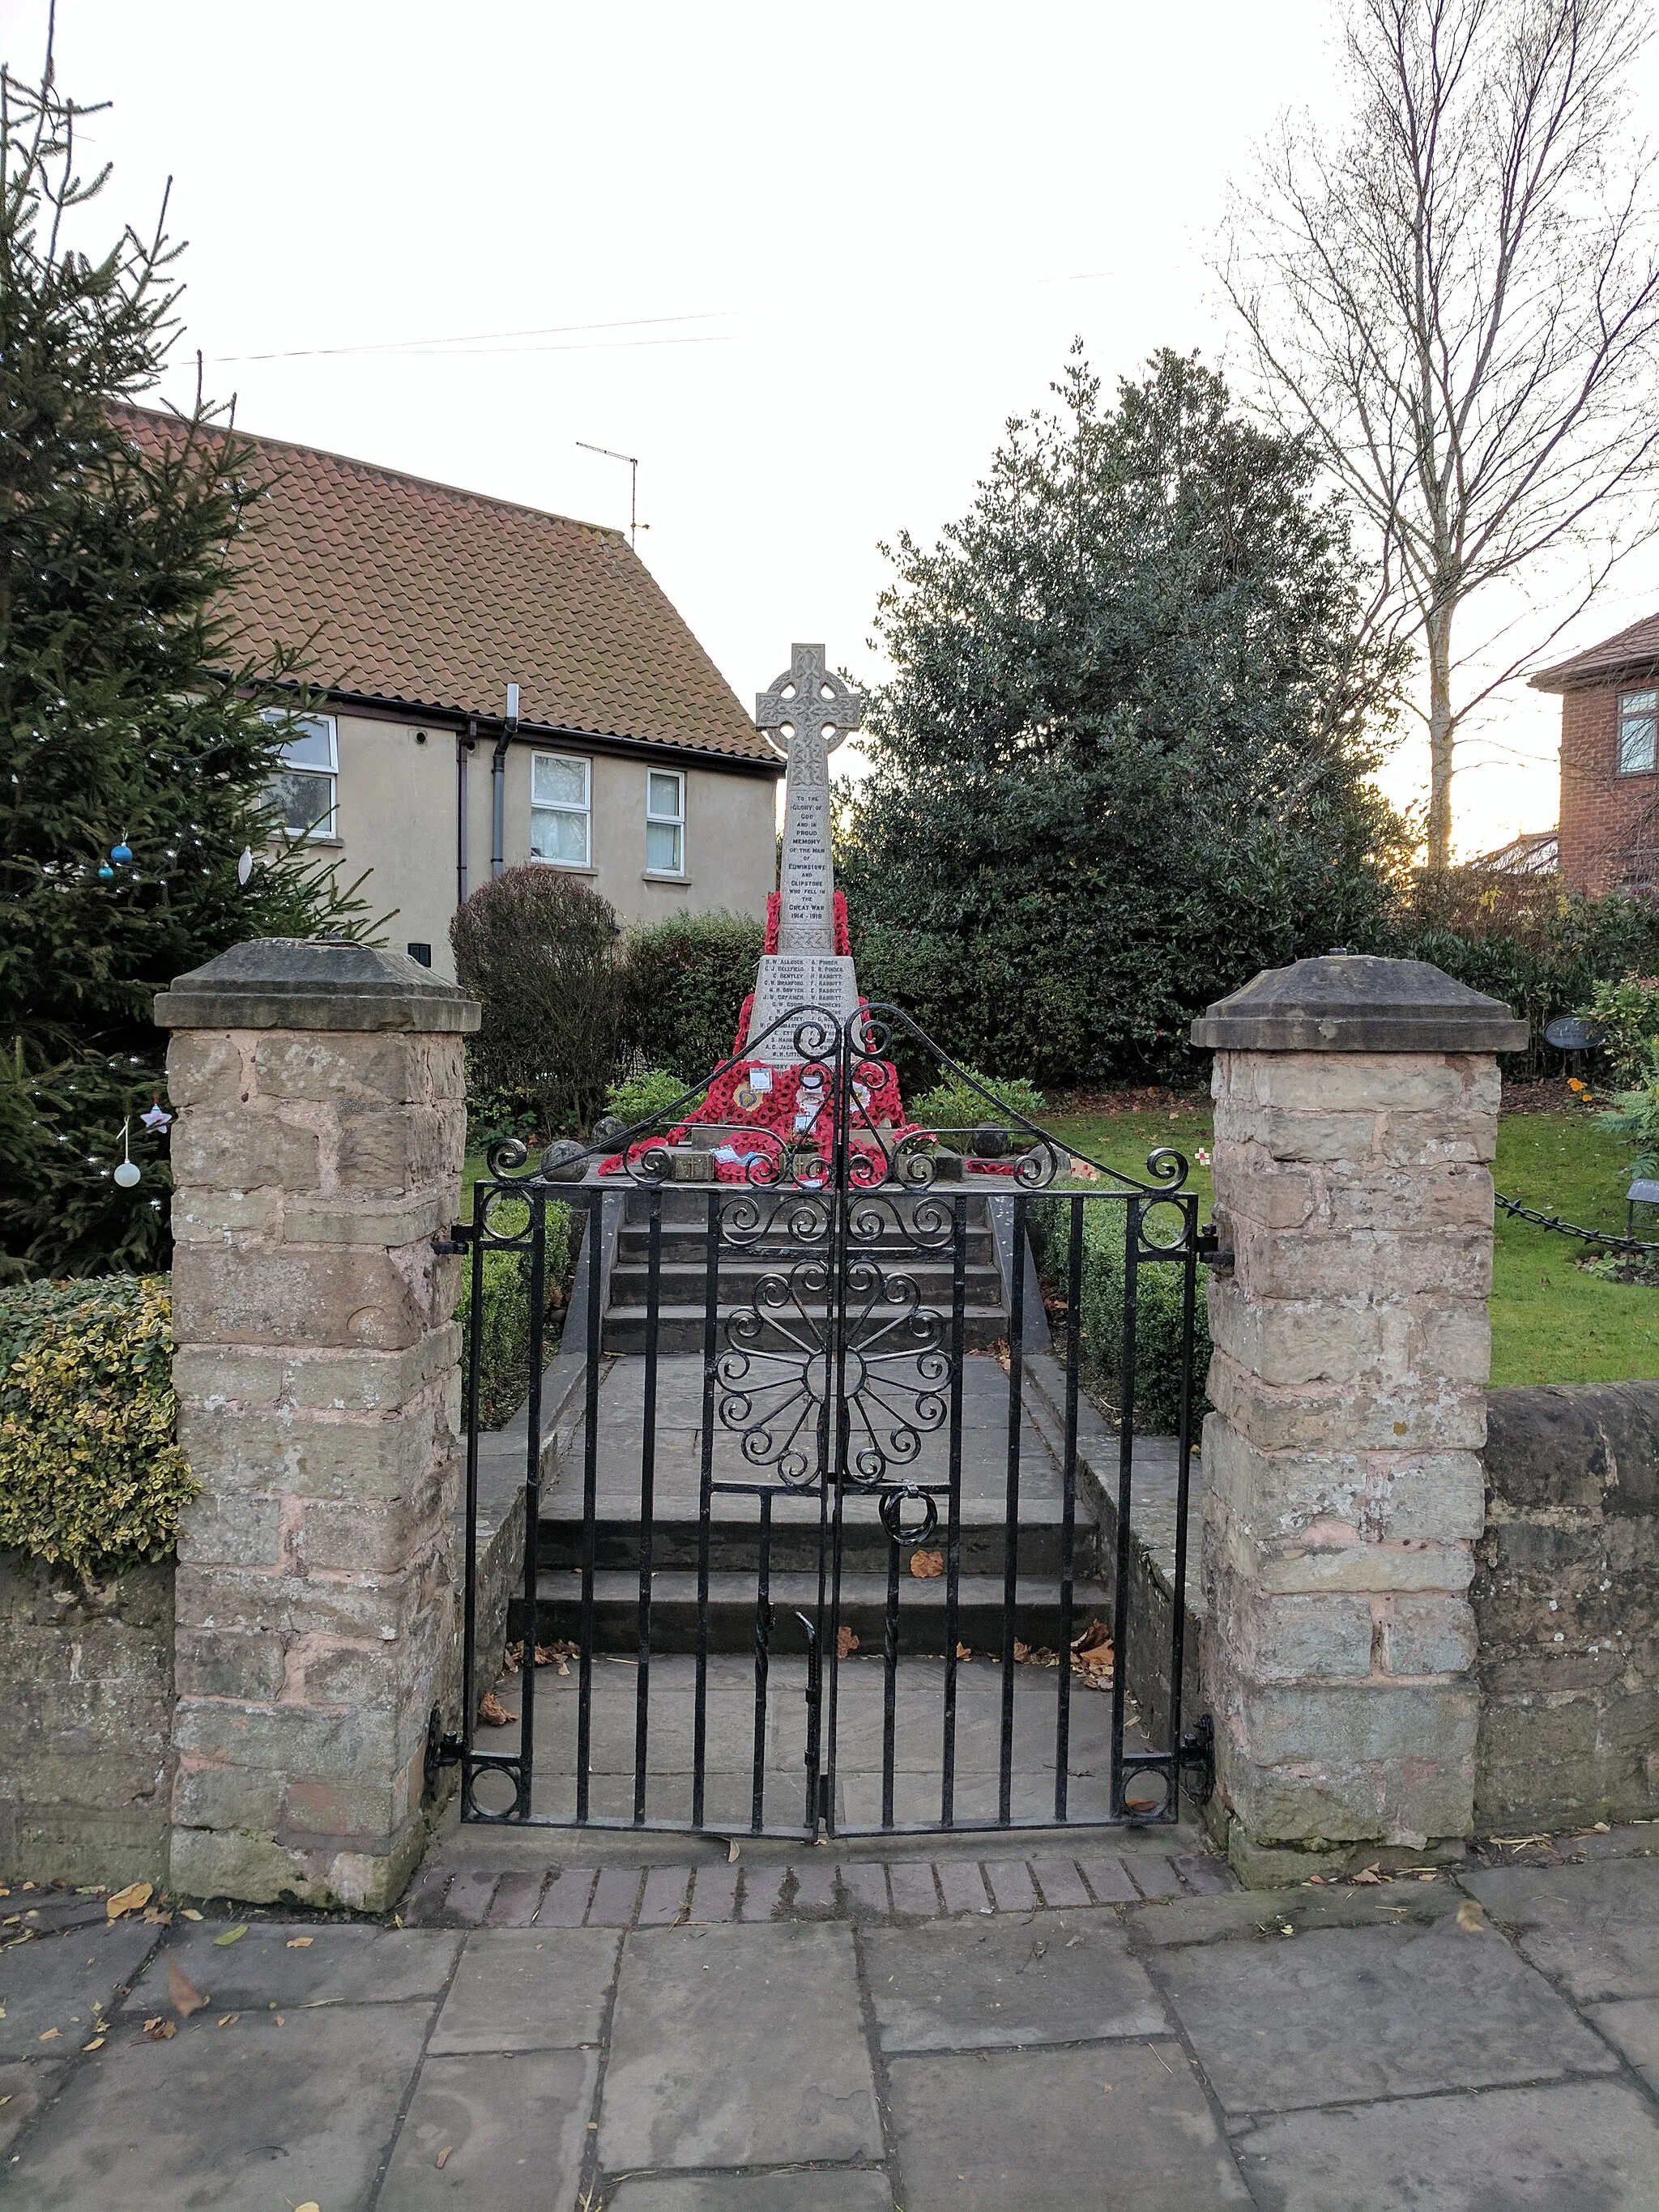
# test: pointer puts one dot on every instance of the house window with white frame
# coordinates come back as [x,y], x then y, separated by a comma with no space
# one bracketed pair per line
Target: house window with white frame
[664,822]
[562,809]
[1639,732]
[305,787]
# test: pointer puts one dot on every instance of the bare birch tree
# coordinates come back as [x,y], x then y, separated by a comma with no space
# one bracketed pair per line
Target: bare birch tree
[1457,298]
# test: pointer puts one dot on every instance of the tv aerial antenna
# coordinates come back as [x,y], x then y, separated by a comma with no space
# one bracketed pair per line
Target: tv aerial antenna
[635,525]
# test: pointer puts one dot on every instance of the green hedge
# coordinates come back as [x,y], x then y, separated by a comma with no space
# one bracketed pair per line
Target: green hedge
[90,1470]
[687,979]
[504,1340]
[1158,1313]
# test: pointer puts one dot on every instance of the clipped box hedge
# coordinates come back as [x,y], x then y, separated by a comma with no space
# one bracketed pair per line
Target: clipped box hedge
[504,1326]
[91,1474]
[1157,1314]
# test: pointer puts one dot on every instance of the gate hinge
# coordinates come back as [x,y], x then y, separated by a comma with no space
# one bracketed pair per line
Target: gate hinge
[442,1749]
[1197,1758]
[1210,1251]
[460,1239]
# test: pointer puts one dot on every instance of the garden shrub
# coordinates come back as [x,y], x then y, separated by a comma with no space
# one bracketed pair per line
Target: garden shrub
[956,1105]
[504,1332]
[687,979]
[543,955]
[1626,1015]
[1157,1314]
[654,1093]
[1635,1113]
[90,1470]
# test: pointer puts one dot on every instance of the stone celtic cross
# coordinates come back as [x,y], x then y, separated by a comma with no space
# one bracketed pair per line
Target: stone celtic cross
[804,716]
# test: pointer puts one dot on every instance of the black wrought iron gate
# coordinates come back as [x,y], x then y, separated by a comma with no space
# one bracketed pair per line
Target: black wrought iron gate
[821,1533]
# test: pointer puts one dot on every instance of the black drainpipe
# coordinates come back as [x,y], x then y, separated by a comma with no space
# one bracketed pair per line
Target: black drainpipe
[463,747]
[498,772]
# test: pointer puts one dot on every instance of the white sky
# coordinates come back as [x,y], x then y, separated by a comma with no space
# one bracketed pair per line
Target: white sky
[846,242]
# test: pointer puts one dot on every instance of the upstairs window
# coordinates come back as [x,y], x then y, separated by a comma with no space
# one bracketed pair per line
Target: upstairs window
[305,787]
[665,823]
[560,809]
[1639,725]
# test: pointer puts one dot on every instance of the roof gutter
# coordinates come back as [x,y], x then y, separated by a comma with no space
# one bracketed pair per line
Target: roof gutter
[498,780]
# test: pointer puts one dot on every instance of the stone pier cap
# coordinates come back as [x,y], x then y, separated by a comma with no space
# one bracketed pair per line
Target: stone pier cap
[315,984]
[1358,1002]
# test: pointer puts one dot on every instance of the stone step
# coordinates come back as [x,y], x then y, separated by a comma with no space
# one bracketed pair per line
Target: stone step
[688,1203]
[689,1247]
[734,1544]
[732,1600]
[680,1327]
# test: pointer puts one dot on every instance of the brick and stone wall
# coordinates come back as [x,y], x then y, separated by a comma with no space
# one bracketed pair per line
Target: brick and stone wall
[1566,1607]
[321,1102]
[86,1722]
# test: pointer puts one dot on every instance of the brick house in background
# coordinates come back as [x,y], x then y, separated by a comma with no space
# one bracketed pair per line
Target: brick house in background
[1609,824]
[630,762]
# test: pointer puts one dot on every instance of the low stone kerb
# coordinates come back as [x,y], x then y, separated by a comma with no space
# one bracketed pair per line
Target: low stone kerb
[303,983]
[1356,1002]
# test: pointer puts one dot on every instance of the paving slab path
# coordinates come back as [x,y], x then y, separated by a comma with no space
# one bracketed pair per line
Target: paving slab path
[1109,2025]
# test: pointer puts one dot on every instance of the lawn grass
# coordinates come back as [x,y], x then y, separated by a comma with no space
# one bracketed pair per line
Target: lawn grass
[1550,1321]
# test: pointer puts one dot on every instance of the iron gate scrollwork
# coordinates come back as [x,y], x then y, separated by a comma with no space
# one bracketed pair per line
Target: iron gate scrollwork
[805,1491]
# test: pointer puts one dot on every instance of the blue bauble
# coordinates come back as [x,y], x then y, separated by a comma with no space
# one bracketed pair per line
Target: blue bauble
[120,855]
[107,873]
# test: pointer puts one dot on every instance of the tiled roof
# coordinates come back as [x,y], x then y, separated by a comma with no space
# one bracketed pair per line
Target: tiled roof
[423,596]
[1635,647]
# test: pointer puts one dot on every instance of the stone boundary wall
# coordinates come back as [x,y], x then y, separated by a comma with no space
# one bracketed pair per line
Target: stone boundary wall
[86,1722]
[1566,1607]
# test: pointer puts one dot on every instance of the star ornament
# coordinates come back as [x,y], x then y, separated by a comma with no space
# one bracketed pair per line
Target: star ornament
[157,1117]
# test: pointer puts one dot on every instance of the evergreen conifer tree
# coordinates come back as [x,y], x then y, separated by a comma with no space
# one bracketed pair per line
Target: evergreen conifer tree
[128,723]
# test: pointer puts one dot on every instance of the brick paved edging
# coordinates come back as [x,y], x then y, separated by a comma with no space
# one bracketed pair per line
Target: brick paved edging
[872,1893]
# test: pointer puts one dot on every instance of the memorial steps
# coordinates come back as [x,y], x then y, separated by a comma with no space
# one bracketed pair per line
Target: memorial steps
[680,1307]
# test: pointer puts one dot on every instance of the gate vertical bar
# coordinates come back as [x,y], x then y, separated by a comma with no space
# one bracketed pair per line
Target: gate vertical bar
[953,1525]
[705,1500]
[470,1602]
[590,1502]
[1126,1461]
[763,1661]
[647,1502]
[835,1297]
[1068,1507]
[890,1681]
[1011,1533]
[532,1495]
[1183,1484]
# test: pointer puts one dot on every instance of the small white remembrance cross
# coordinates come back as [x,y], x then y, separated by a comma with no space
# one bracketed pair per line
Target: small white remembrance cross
[804,716]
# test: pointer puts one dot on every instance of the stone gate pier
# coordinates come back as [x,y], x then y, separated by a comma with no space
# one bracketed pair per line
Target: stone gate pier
[322,1114]
[1355,1112]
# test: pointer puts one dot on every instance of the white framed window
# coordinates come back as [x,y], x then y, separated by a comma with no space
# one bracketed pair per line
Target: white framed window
[305,788]
[1638,729]
[562,809]
[664,822]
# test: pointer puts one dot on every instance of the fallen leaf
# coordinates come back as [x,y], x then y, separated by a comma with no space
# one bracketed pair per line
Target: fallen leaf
[298,1943]
[442,2158]
[186,1998]
[231,1934]
[1022,1651]
[733,1850]
[1093,1659]
[97,2043]
[155,1917]
[133,1898]
[493,1713]
[190,1913]
[846,1642]
[230,2020]
[312,2206]
[50,2035]
[512,1658]
[1470,1919]
[927,1566]
[1366,1874]
[963,1652]
[159,2030]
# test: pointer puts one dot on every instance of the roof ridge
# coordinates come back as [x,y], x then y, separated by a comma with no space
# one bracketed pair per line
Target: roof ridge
[165,415]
